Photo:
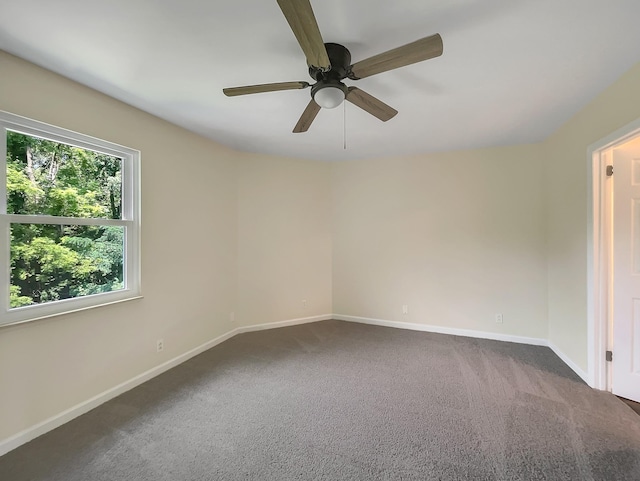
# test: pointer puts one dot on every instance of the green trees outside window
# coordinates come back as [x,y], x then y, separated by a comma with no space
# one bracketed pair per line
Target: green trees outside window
[56,261]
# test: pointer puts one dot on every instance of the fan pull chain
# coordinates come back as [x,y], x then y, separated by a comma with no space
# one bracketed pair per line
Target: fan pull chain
[344,123]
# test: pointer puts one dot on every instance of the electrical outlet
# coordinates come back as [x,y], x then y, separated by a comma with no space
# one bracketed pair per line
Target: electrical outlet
[499,318]
[232,317]
[405,309]
[304,303]
[159,345]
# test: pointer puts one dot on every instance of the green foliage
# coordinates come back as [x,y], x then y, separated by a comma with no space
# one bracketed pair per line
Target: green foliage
[16,300]
[52,262]
[22,195]
[69,203]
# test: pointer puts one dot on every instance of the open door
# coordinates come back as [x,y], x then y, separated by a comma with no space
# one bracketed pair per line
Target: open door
[626,271]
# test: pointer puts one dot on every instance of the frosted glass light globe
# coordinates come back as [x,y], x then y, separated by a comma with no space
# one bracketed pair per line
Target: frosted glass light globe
[329,97]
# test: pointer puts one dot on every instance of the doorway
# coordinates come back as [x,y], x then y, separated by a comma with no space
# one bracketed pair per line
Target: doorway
[614,263]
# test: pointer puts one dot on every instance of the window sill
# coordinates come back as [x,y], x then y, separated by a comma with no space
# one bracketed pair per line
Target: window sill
[38,317]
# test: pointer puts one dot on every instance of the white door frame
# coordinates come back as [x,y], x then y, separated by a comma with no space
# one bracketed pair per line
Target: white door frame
[599,254]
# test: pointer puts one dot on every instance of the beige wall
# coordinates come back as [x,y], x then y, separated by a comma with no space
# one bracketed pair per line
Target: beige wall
[566,154]
[284,239]
[188,233]
[458,237]
[192,275]
[461,236]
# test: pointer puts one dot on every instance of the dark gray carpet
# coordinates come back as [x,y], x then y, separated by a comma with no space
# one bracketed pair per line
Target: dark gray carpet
[340,401]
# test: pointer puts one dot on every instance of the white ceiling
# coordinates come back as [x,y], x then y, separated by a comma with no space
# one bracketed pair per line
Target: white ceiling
[512,71]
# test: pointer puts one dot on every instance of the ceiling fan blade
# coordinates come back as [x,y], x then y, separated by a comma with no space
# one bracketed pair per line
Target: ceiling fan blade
[307,117]
[423,49]
[256,89]
[369,103]
[302,21]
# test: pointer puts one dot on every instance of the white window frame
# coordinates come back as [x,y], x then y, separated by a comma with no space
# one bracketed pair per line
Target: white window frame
[130,220]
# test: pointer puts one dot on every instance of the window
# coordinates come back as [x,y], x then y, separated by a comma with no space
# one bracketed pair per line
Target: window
[69,221]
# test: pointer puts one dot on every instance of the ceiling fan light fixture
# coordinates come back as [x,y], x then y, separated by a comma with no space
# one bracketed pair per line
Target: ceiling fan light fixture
[329,97]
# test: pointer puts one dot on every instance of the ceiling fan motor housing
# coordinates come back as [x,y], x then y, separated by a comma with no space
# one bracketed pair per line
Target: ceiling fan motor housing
[340,59]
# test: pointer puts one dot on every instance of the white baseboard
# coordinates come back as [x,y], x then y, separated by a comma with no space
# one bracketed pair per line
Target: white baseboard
[444,330]
[275,325]
[469,333]
[574,367]
[53,422]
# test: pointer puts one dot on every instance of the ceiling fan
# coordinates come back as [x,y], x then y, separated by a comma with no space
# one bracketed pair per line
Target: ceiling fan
[330,63]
